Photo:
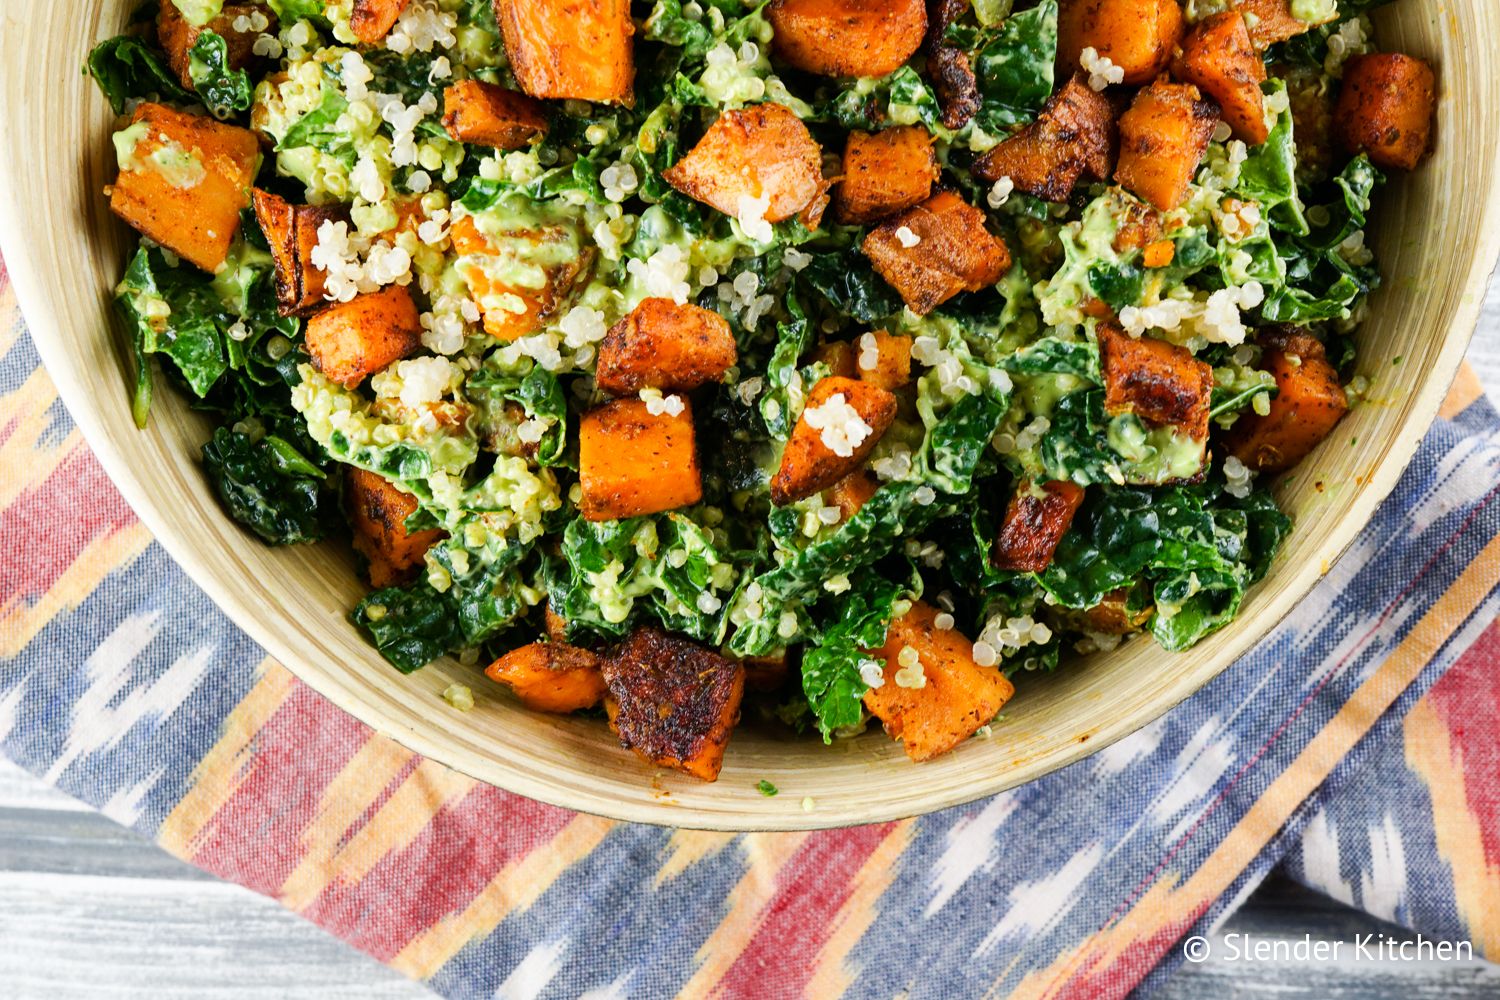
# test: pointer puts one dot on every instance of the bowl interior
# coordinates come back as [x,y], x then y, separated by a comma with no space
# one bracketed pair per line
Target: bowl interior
[1436,238]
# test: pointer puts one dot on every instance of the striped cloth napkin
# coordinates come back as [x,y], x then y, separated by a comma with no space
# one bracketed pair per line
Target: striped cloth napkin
[1357,744]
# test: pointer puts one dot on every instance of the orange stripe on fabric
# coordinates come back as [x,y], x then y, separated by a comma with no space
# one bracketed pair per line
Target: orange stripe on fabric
[10,318]
[686,848]
[766,854]
[21,622]
[1466,389]
[1431,752]
[218,774]
[833,977]
[513,889]
[26,415]
[1158,910]
[426,791]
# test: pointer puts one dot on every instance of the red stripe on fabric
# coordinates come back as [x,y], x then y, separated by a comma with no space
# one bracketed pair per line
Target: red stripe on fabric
[4,275]
[811,888]
[1467,699]
[1125,972]
[438,873]
[53,521]
[255,837]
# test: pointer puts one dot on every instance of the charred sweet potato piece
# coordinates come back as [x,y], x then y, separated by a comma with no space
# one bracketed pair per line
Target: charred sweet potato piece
[853,414]
[1219,60]
[1385,108]
[178,36]
[760,152]
[378,510]
[852,492]
[891,354]
[1308,404]
[551,676]
[1136,35]
[372,20]
[1137,225]
[1272,21]
[292,232]
[1162,140]
[838,355]
[485,114]
[1073,135]
[957,695]
[953,252]
[350,341]
[578,49]
[847,37]
[184,179]
[765,673]
[885,172]
[513,310]
[632,462]
[663,345]
[1161,383]
[1112,615]
[556,624]
[672,701]
[1035,521]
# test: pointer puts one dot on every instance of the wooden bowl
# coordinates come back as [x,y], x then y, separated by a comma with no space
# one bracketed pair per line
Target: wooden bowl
[1437,238]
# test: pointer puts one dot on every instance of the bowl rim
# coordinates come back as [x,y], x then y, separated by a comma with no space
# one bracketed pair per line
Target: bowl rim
[54,352]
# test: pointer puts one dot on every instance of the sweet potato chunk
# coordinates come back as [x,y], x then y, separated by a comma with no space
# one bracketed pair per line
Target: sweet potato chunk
[378,510]
[351,341]
[957,695]
[1035,521]
[1272,21]
[852,492]
[178,36]
[1073,135]
[1385,108]
[1219,60]
[891,354]
[761,152]
[292,232]
[513,309]
[578,49]
[1113,616]
[1161,383]
[1136,35]
[672,701]
[885,172]
[953,253]
[1308,403]
[1162,140]
[765,673]
[847,37]
[852,414]
[485,114]
[663,345]
[551,676]
[838,355]
[184,179]
[372,20]
[632,462]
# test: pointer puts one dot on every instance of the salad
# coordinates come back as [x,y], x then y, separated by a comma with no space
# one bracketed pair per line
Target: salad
[830,361]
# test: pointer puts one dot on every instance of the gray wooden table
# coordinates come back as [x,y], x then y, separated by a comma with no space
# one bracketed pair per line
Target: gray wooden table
[89,910]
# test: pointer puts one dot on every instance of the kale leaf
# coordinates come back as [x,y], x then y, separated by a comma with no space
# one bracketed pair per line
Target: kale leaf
[224,90]
[830,669]
[127,68]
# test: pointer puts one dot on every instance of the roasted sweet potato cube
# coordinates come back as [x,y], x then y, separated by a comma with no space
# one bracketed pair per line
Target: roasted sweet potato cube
[663,345]
[184,179]
[852,492]
[956,696]
[178,36]
[350,341]
[1161,383]
[1073,135]
[632,462]
[1112,615]
[838,355]
[513,309]
[485,114]
[765,673]
[1308,404]
[372,20]
[672,701]
[1137,225]
[551,676]
[578,49]
[1035,521]
[378,510]
[1272,21]
[953,252]
[762,153]
[839,427]
[885,359]
[1219,60]
[847,37]
[556,624]
[885,172]
[1136,35]
[1162,140]
[292,232]
[1385,108]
